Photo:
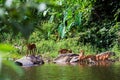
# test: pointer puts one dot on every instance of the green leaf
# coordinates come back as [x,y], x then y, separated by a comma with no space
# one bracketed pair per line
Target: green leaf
[61,30]
[51,19]
[78,18]
[65,16]
[5,48]
[69,27]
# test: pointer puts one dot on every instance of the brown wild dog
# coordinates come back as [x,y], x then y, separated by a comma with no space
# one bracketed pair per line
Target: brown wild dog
[31,49]
[90,58]
[63,51]
[104,56]
[81,56]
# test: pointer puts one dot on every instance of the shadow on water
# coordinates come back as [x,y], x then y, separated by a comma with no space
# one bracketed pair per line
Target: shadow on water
[73,71]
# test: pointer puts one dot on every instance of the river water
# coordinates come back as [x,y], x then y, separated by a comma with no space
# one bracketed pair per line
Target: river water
[67,72]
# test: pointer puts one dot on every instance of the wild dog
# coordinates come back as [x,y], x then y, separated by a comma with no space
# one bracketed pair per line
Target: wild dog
[81,56]
[90,58]
[63,51]
[104,56]
[31,49]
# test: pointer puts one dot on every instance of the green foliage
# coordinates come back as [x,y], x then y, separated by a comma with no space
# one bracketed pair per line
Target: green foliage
[71,16]
[102,28]
[116,49]
[51,47]
[91,20]
[102,35]
[20,16]
[5,50]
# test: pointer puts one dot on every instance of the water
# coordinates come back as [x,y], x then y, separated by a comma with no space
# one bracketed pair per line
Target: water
[67,72]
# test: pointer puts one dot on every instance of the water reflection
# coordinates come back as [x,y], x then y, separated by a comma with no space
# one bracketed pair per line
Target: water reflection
[109,71]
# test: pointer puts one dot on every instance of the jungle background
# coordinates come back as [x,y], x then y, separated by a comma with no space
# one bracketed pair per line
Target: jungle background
[90,25]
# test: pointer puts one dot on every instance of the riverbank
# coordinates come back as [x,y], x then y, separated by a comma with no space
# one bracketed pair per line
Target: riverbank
[70,58]
[50,48]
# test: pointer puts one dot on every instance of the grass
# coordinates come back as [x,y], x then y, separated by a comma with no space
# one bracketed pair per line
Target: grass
[50,48]
[116,49]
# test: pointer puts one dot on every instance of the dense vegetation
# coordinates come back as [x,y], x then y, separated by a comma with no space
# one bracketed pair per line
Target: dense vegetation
[92,25]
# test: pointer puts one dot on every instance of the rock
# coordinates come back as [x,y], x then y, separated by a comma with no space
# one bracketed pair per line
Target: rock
[63,58]
[74,59]
[29,60]
[24,61]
